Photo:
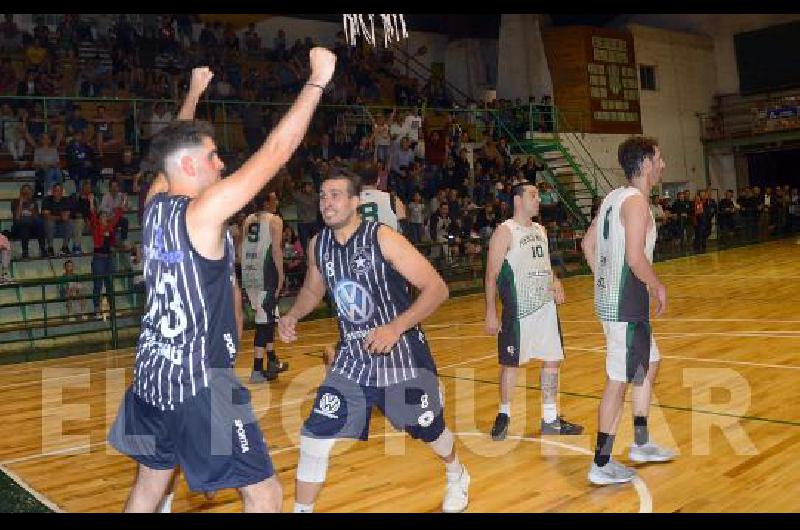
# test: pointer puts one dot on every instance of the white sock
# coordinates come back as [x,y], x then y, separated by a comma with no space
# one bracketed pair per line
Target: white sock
[303,508]
[166,503]
[453,470]
[505,408]
[549,412]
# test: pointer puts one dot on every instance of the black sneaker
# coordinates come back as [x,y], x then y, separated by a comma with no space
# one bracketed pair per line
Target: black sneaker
[274,368]
[500,428]
[561,427]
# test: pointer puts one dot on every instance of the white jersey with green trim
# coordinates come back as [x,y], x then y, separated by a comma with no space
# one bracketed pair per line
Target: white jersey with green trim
[376,205]
[526,277]
[619,295]
[257,251]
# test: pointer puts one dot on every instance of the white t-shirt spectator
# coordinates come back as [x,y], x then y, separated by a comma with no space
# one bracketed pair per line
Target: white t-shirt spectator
[397,131]
[413,126]
[108,203]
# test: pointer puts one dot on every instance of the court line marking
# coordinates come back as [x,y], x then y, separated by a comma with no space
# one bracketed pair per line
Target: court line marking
[639,485]
[27,487]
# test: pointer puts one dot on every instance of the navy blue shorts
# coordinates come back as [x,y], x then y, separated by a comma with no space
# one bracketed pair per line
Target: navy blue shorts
[342,408]
[217,445]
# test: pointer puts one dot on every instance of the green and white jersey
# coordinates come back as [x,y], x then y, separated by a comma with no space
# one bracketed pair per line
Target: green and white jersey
[525,280]
[377,205]
[258,269]
[619,296]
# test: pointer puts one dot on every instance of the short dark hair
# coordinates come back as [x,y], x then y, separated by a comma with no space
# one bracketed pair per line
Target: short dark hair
[353,181]
[368,173]
[519,188]
[177,135]
[633,151]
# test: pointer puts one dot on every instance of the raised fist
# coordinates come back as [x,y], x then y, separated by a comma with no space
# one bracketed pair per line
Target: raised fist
[201,77]
[323,64]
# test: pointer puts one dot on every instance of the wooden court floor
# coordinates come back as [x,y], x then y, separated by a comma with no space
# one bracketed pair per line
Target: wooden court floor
[726,398]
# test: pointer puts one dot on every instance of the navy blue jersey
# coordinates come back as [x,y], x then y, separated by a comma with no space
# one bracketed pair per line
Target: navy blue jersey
[369,293]
[189,325]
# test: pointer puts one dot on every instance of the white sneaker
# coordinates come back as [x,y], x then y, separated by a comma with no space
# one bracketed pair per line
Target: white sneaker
[456,495]
[651,452]
[611,473]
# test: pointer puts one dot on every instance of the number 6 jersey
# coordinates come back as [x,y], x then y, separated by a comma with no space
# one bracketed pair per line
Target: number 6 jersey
[189,325]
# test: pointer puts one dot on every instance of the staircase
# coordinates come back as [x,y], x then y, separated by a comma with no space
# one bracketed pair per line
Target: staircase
[568,166]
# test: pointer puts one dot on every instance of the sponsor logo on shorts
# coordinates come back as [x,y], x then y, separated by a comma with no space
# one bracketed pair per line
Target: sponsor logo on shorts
[230,345]
[243,443]
[511,350]
[426,419]
[329,404]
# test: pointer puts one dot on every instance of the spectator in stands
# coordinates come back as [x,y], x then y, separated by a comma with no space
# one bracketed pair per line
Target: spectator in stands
[279,46]
[728,208]
[682,209]
[185,30]
[128,171]
[47,164]
[57,212]
[363,151]
[114,200]
[71,291]
[307,203]
[76,122]
[293,255]
[102,229]
[103,131]
[11,35]
[381,136]
[442,231]
[230,38]
[416,218]
[253,124]
[27,223]
[5,260]
[252,40]
[8,77]
[80,159]
[413,125]
[161,118]
[36,57]
[658,214]
[207,38]
[703,214]
[13,135]
[323,151]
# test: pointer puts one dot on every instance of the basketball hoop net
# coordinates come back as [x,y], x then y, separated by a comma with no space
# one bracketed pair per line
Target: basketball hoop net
[394,28]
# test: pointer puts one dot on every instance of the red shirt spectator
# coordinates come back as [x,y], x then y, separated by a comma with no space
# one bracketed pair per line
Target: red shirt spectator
[435,149]
[102,229]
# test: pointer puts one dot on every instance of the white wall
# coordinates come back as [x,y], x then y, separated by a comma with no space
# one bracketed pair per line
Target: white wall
[686,81]
[721,28]
[522,65]
[472,65]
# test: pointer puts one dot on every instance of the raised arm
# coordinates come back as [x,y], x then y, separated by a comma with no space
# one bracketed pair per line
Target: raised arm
[498,247]
[201,77]
[413,266]
[223,199]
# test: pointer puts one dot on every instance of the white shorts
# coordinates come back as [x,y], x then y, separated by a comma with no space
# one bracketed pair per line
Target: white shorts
[630,348]
[536,336]
[265,305]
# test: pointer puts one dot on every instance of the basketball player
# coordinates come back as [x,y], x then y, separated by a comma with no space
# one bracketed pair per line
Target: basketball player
[383,360]
[179,409]
[519,268]
[377,205]
[620,253]
[262,278]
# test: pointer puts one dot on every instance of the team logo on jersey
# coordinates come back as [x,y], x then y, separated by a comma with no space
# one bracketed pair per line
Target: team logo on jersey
[603,261]
[354,301]
[361,263]
[329,405]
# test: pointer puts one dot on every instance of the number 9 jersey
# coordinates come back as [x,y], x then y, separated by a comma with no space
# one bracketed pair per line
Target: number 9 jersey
[189,325]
